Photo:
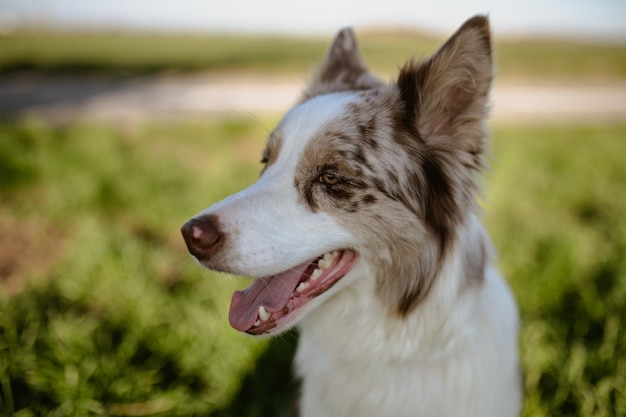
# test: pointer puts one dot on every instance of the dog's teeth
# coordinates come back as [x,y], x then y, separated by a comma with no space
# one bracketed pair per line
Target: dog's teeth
[327,259]
[264,314]
[302,286]
[316,274]
[256,323]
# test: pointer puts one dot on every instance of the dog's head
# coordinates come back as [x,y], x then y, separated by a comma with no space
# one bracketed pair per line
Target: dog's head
[358,175]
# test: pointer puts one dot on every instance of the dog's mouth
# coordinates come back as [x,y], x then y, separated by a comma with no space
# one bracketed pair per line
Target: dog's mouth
[272,301]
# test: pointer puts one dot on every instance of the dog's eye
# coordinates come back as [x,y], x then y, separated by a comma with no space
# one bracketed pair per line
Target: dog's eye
[328,178]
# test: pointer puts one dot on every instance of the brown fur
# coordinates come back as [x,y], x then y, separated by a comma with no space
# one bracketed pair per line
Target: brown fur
[476,259]
[406,157]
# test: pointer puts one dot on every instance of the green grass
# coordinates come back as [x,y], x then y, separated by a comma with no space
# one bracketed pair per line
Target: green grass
[102,312]
[556,211]
[121,321]
[384,52]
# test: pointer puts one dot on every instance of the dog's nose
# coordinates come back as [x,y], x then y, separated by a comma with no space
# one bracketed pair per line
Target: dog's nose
[202,236]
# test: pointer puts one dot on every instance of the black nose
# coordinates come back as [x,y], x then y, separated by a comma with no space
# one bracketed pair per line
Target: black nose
[202,236]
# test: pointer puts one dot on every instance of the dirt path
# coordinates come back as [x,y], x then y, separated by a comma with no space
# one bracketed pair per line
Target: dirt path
[63,98]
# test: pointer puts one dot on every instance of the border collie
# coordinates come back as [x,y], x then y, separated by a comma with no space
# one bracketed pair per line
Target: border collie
[363,230]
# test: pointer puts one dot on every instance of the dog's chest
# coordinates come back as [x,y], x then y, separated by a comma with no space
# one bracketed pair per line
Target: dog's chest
[360,371]
[353,365]
[446,387]
[343,389]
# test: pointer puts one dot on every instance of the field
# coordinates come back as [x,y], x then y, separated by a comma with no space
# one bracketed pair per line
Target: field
[103,312]
[384,51]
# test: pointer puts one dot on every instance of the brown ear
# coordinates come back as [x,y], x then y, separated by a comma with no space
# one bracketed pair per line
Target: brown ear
[445,104]
[448,94]
[342,69]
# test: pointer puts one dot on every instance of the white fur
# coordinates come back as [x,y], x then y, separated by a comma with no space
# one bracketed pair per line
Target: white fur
[252,217]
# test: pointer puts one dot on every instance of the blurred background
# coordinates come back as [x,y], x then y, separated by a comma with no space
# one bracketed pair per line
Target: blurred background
[120,120]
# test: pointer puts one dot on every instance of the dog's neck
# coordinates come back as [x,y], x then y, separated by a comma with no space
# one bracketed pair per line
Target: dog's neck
[355,326]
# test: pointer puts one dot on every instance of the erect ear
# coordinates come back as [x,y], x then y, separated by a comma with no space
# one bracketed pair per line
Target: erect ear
[448,94]
[342,69]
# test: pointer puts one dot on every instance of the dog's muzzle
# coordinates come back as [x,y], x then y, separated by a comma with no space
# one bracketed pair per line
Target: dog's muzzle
[202,236]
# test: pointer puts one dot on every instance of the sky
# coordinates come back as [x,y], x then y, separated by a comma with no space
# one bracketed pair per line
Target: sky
[590,19]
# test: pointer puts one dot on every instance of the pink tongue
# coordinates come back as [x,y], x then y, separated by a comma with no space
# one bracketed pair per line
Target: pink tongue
[270,292]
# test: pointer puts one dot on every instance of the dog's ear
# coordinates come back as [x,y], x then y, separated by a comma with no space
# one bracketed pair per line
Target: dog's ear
[445,104]
[447,95]
[342,69]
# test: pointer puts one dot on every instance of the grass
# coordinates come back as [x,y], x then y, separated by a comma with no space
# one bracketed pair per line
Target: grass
[121,322]
[130,53]
[556,205]
[102,312]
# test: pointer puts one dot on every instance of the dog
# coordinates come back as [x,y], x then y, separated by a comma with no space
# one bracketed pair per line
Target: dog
[363,229]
